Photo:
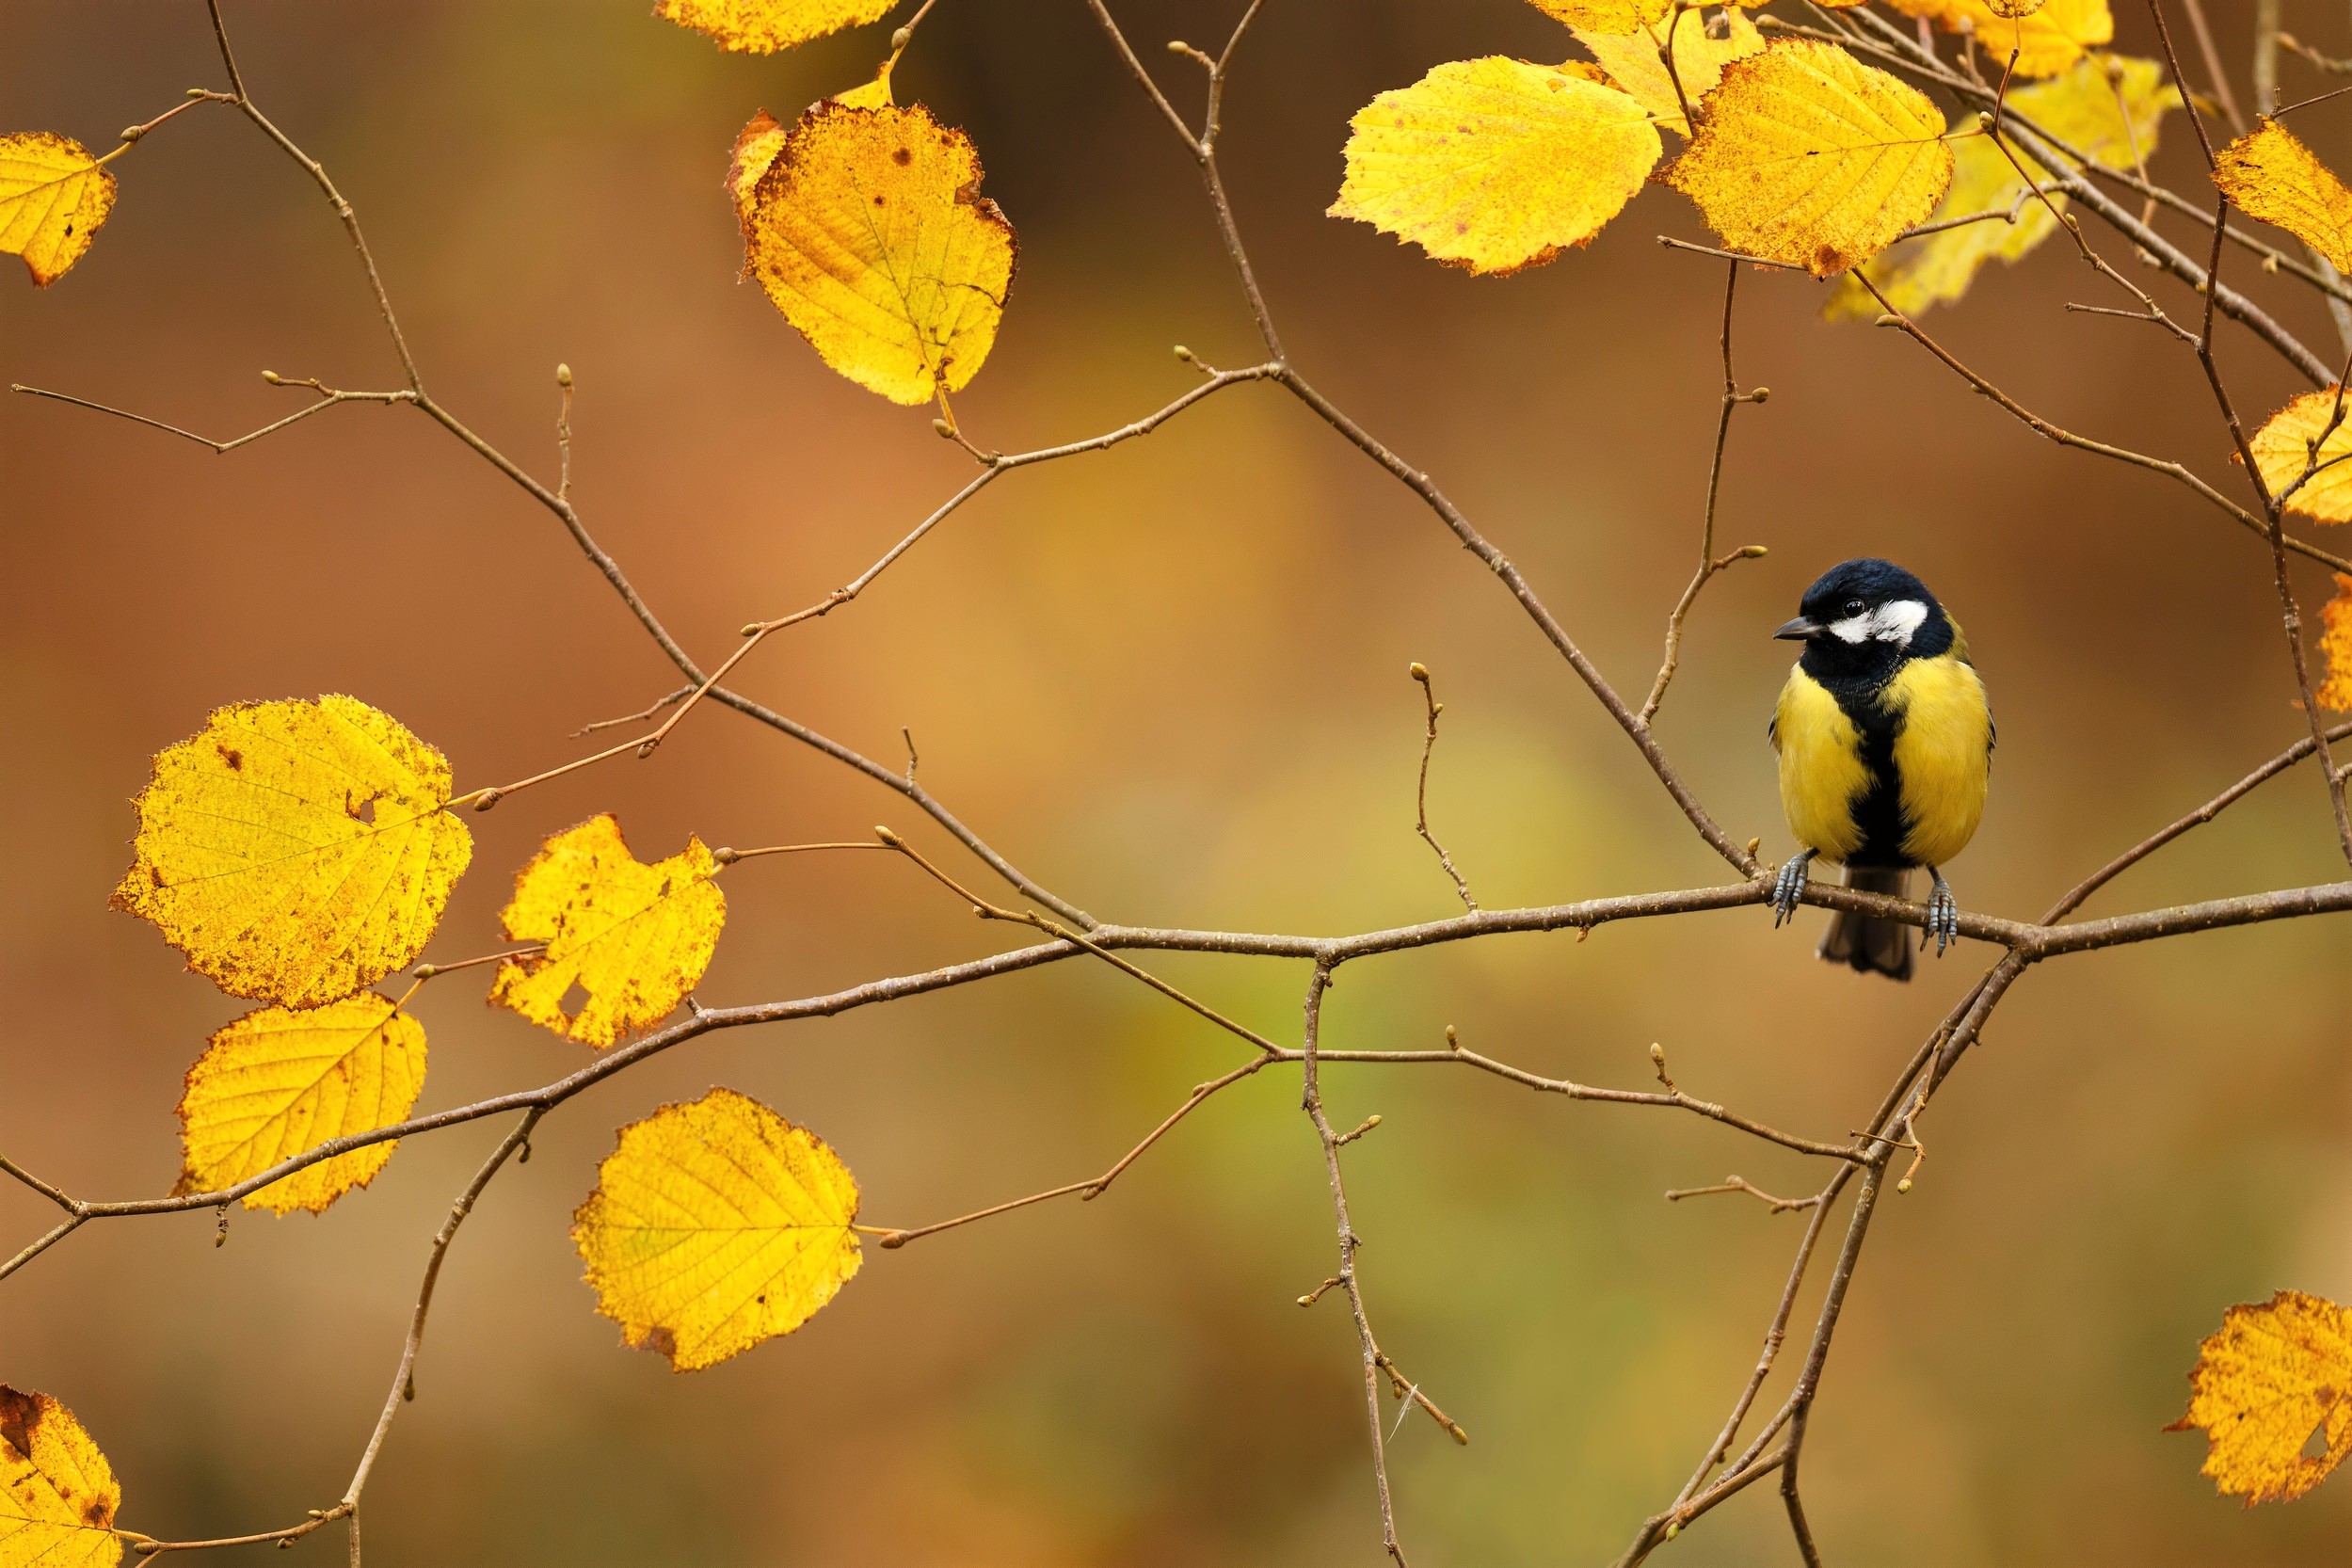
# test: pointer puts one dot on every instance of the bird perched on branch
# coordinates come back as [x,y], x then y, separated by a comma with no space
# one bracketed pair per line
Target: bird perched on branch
[1886,741]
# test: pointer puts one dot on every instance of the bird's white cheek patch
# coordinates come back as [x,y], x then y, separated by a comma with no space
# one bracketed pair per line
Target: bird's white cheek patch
[1854,629]
[1898,622]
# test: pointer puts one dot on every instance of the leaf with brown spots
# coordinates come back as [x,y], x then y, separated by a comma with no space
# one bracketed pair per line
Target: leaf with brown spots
[2271,175]
[2274,1381]
[57,1492]
[2335,646]
[1634,65]
[2304,452]
[869,232]
[53,197]
[296,851]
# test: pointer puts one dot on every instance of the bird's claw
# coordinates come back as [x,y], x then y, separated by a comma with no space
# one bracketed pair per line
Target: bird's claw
[1943,917]
[1788,888]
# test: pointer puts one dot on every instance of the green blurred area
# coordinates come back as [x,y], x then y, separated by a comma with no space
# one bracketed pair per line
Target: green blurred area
[1169,682]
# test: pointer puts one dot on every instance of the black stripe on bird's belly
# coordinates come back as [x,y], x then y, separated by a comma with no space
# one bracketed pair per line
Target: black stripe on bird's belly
[1880,810]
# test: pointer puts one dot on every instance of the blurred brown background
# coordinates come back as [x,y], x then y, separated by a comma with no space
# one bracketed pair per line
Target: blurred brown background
[1170,683]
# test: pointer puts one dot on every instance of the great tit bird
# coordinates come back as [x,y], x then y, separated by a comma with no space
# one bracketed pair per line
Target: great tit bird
[1886,743]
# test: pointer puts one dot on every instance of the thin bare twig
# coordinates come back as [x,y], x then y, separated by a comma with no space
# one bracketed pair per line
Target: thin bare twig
[1429,745]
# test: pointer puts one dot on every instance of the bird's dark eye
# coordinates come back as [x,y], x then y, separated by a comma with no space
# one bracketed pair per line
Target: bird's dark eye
[1855,606]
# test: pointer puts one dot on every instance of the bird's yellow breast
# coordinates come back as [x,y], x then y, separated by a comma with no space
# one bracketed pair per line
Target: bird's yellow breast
[1942,752]
[1822,771]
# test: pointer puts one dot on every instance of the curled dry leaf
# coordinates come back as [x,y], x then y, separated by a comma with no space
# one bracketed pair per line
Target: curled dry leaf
[715,1226]
[1809,157]
[296,851]
[1495,164]
[2275,1378]
[869,232]
[276,1083]
[2114,119]
[53,197]
[2335,646]
[2284,452]
[764,26]
[635,937]
[1634,65]
[2271,175]
[57,1492]
[1606,16]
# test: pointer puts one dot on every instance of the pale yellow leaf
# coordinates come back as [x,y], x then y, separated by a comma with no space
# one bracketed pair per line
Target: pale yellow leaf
[1495,164]
[277,1083]
[715,1226]
[57,1492]
[874,94]
[1633,64]
[2048,40]
[2284,451]
[2278,1374]
[2335,646]
[763,27]
[756,147]
[635,938]
[2271,175]
[1809,157]
[296,851]
[53,197]
[1605,16]
[2106,106]
[869,232]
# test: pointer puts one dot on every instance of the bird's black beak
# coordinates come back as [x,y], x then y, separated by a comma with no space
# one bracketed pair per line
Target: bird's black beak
[1804,629]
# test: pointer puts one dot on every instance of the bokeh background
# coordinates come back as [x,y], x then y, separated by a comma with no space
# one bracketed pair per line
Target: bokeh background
[1170,681]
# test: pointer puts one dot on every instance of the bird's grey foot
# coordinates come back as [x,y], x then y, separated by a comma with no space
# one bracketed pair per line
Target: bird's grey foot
[1789,887]
[1943,915]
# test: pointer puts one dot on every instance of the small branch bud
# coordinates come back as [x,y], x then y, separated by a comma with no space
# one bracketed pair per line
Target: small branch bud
[1183,352]
[1177,47]
[1761,395]
[1753,552]
[726,856]
[490,798]
[943,429]
[900,39]
[1903,1185]
[1453,1040]
[1419,671]
[273,378]
[563,375]
[889,837]
[424,971]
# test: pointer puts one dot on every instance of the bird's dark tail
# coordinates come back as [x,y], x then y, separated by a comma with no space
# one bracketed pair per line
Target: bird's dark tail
[1871,946]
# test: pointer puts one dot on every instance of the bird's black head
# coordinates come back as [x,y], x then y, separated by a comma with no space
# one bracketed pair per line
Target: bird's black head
[1861,620]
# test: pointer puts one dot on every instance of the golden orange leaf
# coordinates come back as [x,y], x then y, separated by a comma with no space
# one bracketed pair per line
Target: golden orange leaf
[1808,156]
[2284,451]
[276,1083]
[715,1226]
[57,1492]
[764,26]
[53,197]
[2335,646]
[2105,106]
[2271,175]
[1606,16]
[2277,1375]
[635,938]
[868,232]
[2047,39]
[1495,164]
[1634,66]
[296,851]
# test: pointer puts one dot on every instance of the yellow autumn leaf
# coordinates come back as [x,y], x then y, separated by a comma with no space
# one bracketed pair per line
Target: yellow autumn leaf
[869,233]
[715,1226]
[874,94]
[1808,156]
[635,938]
[2283,452]
[756,147]
[1606,16]
[2277,1375]
[764,26]
[53,197]
[2335,646]
[2048,38]
[1495,164]
[1634,66]
[296,851]
[2106,106]
[2271,175]
[276,1083]
[57,1492]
